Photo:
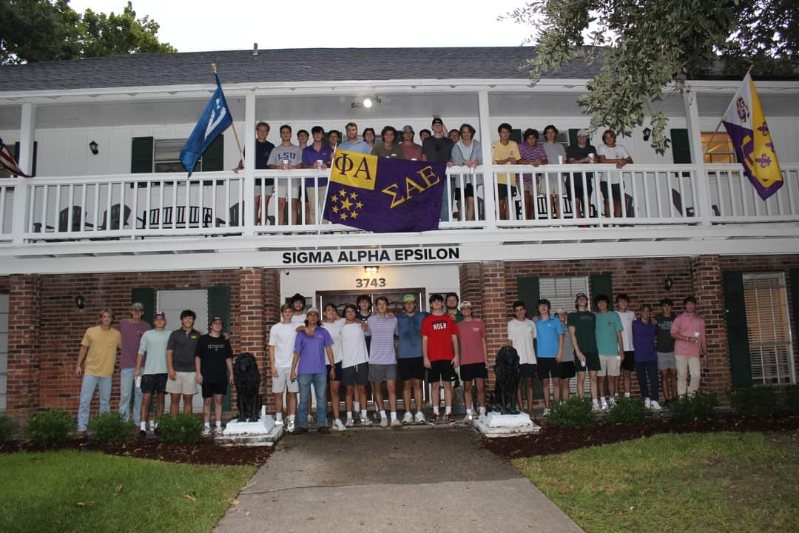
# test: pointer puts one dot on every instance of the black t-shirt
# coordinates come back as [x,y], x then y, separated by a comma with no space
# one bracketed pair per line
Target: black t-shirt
[262,152]
[437,148]
[213,353]
[664,342]
[574,151]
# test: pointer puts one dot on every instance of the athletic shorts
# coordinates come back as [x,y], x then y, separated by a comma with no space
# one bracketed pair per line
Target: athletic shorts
[503,191]
[282,381]
[381,373]
[185,383]
[547,367]
[666,361]
[527,371]
[210,389]
[468,192]
[153,383]
[473,371]
[591,362]
[441,371]
[578,186]
[615,190]
[411,368]
[611,366]
[629,361]
[284,187]
[355,375]
[566,370]
[336,373]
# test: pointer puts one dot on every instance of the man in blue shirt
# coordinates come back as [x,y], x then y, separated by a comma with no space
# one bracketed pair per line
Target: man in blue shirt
[352,143]
[316,155]
[410,360]
[549,334]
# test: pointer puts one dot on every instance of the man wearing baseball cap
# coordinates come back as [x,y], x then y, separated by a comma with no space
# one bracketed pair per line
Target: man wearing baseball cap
[153,374]
[438,147]
[410,150]
[409,357]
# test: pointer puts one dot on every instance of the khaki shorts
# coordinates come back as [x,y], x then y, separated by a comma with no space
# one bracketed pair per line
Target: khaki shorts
[611,365]
[186,383]
[282,381]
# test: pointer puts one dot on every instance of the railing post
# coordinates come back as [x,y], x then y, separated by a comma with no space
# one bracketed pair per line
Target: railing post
[489,201]
[19,215]
[703,200]
[248,211]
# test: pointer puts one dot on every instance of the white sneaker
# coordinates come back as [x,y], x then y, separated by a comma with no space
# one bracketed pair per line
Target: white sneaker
[546,411]
[407,418]
[291,426]
[206,431]
[350,423]
[310,420]
[647,403]
[383,422]
[279,422]
[365,421]
[595,406]
[604,406]
[419,418]
[218,431]
[655,406]
[396,423]
[468,419]
[338,426]
[626,394]
[612,402]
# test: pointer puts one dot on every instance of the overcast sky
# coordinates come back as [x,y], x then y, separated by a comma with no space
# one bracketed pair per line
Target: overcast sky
[198,25]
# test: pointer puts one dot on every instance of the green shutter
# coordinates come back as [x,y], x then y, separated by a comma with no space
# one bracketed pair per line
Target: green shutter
[516,135]
[529,292]
[601,284]
[35,151]
[219,305]
[793,280]
[146,296]
[141,155]
[680,146]
[737,331]
[573,136]
[214,156]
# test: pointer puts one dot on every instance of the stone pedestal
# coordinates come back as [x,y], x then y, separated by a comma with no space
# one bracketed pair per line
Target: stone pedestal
[495,424]
[264,432]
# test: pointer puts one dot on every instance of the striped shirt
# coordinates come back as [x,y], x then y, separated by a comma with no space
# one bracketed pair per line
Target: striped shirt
[383,330]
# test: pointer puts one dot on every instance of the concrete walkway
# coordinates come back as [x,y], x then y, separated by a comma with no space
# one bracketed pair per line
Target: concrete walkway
[373,480]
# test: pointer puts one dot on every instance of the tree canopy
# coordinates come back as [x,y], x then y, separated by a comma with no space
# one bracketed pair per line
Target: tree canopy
[46,30]
[647,47]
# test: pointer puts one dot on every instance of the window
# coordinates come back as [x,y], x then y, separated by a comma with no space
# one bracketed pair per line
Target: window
[166,156]
[163,155]
[717,147]
[770,346]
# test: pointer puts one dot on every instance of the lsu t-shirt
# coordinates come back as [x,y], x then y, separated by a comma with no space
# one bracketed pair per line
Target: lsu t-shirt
[439,330]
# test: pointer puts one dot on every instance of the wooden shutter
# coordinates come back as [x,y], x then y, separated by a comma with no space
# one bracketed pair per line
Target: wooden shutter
[141,155]
[219,305]
[793,283]
[146,296]
[602,284]
[529,290]
[214,156]
[737,332]
[680,146]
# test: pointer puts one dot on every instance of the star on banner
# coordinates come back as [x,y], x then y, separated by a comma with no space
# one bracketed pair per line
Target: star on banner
[345,206]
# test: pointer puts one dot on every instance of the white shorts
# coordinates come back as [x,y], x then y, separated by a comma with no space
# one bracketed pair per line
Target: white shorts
[184,383]
[611,365]
[282,381]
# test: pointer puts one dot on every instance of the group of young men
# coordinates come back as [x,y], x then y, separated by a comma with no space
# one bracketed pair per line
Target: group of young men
[154,361]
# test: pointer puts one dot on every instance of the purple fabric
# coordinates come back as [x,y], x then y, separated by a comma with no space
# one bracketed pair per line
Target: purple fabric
[312,351]
[131,337]
[644,341]
[311,156]
[400,196]
[743,149]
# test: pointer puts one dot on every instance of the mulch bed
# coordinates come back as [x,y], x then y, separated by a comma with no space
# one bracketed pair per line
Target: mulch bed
[553,440]
[205,452]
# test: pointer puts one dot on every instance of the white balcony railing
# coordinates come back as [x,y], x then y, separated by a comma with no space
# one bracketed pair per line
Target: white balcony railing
[140,206]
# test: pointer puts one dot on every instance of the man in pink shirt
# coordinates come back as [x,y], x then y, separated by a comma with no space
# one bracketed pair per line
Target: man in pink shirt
[474,357]
[690,347]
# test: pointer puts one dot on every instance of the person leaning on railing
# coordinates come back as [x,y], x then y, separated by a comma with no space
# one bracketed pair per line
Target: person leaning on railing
[533,153]
[467,152]
[581,153]
[287,156]
[617,154]
[505,152]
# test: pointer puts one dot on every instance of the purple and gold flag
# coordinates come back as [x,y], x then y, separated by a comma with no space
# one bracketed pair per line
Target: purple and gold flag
[384,195]
[746,125]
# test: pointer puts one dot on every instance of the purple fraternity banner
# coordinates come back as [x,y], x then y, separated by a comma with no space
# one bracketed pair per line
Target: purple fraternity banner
[384,195]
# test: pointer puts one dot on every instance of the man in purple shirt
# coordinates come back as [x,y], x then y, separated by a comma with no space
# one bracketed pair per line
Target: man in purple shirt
[311,347]
[383,360]
[644,332]
[131,329]
[316,155]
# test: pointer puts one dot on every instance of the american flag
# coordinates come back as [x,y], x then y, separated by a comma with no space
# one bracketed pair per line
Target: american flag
[9,163]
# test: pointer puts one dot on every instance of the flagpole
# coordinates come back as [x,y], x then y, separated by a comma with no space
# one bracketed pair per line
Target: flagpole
[324,202]
[715,131]
[233,123]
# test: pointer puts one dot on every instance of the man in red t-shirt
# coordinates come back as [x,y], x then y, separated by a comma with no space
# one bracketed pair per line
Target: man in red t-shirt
[440,351]
[474,357]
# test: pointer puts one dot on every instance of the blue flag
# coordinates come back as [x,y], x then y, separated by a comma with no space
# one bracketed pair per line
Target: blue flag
[384,195]
[215,119]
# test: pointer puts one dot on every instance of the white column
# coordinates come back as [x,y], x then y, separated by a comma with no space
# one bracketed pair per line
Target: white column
[249,165]
[703,201]
[27,136]
[489,200]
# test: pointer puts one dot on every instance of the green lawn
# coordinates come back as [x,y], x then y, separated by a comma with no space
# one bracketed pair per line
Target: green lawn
[692,482]
[92,492]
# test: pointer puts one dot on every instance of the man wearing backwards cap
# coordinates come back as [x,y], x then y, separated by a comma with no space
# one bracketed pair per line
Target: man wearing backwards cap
[154,374]
[410,150]
[409,357]
[132,330]
[581,153]
[213,362]
[438,147]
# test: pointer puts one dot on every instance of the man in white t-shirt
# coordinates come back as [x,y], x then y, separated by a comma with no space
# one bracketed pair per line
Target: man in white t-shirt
[615,154]
[521,332]
[281,353]
[627,318]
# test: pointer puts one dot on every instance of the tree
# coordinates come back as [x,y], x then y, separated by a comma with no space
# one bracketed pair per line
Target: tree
[47,30]
[646,47]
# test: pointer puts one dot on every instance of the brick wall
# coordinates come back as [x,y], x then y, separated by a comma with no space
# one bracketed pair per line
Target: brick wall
[23,346]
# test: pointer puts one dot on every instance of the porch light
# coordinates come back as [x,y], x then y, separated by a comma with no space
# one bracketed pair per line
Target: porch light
[647,132]
[80,301]
[371,270]
[668,283]
[94,148]
[366,103]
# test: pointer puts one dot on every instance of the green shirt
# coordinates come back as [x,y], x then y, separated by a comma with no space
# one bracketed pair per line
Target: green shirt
[607,326]
[584,323]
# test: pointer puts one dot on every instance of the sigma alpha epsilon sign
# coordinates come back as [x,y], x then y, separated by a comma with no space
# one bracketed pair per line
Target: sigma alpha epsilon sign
[359,256]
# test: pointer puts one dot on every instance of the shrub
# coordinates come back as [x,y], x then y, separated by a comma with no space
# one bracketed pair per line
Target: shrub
[790,399]
[697,407]
[47,428]
[754,401]
[110,428]
[7,428]
[574,413]
[182,429]
[627,411]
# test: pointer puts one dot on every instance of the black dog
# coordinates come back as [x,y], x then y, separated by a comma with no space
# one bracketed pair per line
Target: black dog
[506,370]
[248,387]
